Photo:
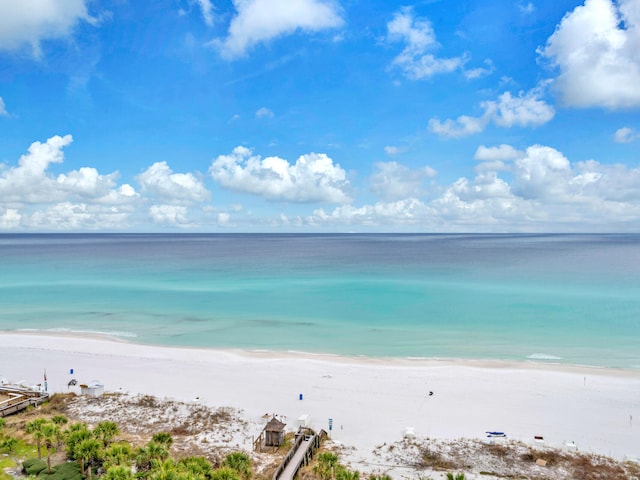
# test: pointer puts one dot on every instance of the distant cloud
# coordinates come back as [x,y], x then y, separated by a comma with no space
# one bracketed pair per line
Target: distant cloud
[595,47]
[393,151]
[313,178]
[29,22]
[207,11]
[159,180]
[417,33]
[473,73]
[393,181]
[263,20]
[171,215]
[527,9]
[545,192]
[3,109]
[264,113]
[626,135]
[526,109]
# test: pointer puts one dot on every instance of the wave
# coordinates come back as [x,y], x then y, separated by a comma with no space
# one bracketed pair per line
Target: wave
[543,356]
[84,332]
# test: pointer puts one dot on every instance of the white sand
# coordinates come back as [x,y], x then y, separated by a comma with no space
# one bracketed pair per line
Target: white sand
[370,401]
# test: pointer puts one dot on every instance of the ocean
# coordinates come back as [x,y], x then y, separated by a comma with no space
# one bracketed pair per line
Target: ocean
[570,299]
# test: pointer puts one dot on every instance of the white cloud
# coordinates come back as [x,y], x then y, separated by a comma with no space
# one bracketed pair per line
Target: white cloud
[626,135]
[527,9]
[10,219]
[78,199]
[542,191]
[473,73]
[264,112]
[29,22]
[3,109]
[171,215]
[500,153]
[414,61]
[393,181]
[66,216]
[160,180]
[313,178]
[463,126]
[263,20]
[223,218]
[207,11]
[393,151]
[526,109]
[596,47]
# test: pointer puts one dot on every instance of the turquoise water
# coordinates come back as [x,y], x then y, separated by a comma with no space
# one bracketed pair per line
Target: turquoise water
[562,298]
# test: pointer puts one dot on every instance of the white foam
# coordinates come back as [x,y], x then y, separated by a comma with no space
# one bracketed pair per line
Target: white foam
[543,356]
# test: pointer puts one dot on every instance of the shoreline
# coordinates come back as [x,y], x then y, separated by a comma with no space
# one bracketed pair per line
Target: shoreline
[525,363]
[371,401]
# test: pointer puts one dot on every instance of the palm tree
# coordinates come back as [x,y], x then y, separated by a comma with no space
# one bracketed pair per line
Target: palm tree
[118,472]
[105,431]
[76,434]
[35,428]
[87,451]
[118,454]
[50,432]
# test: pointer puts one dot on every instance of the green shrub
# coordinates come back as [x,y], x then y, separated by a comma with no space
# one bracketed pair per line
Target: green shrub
[63,471]
[33,466]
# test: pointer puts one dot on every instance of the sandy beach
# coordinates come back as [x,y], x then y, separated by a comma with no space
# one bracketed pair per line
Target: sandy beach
[371,401]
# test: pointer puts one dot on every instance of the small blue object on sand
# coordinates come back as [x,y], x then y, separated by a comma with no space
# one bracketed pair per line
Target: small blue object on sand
[496,434]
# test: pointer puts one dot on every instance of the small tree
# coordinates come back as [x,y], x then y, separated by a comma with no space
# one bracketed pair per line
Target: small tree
[50,433]
[199,467]
[34,428]
[9,444]
[105,431]
[326,465]
[88,450]
[118,472]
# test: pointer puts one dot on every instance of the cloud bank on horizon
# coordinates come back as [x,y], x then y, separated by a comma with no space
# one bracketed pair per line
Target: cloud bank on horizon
[320,115]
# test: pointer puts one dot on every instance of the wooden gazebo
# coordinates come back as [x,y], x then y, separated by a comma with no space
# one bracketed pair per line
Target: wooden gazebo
[274,433]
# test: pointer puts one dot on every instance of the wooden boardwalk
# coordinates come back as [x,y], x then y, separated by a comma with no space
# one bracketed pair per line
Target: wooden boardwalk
[307,442]
[19,398]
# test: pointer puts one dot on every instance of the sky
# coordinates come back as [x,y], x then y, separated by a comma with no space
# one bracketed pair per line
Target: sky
[319,116]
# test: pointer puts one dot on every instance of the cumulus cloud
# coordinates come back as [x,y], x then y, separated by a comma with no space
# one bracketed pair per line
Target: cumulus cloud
[264,112]
[596,49]
[393,181]
[263,20]
[536,189]
[3,109]
[527,109]
[313,178]
[393,150]
[527,9]
[159,180]
[34,198]
[171,215]
[626,135]
[415,61]
[29,22]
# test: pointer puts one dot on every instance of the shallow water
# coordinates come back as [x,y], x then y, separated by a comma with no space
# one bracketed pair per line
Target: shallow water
[561,298]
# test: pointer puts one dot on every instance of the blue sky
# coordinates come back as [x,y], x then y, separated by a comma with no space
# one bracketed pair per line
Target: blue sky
[319,115]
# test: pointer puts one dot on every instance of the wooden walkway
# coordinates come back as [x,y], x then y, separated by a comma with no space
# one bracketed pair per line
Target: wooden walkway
[307,442]
[19,399]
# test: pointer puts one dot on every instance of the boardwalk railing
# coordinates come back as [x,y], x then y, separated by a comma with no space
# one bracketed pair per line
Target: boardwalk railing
[307,442]
[19,399]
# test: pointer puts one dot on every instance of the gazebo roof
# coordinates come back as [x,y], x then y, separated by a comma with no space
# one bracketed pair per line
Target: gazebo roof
[274,425]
